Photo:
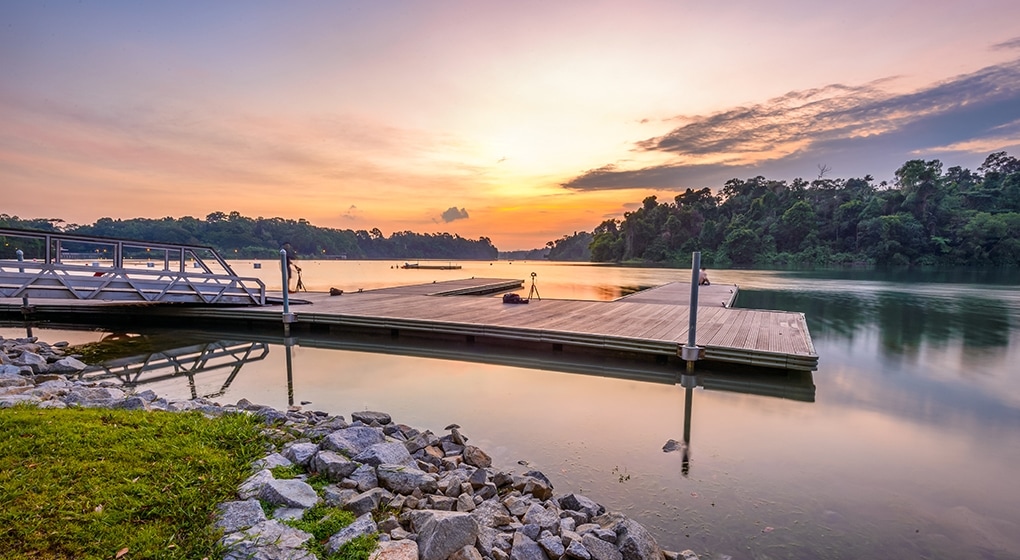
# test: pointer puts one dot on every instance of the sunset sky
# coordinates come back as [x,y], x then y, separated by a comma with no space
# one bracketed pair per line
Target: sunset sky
[520,121]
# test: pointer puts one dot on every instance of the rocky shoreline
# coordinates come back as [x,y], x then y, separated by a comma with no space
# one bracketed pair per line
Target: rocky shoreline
[427,497]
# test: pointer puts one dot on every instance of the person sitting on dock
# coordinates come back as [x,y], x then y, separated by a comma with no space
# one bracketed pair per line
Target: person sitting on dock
[703,278]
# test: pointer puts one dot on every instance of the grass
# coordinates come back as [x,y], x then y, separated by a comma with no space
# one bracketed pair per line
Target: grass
[92,483]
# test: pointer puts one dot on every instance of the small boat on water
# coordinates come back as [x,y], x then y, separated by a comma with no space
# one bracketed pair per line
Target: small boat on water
[426,266]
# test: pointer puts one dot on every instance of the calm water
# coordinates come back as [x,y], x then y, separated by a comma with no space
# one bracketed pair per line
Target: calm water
[904,444]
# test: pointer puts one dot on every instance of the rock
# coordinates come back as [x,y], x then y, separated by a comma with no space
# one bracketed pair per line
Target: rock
[465,503]
[386,453]
[479,478]
[269,540]
[332,465]
[552,545]
[132,403]
[352,441]
[605,535]
[442,503]
[252,487]
[368,501]
[577,502]
[10,376]
[689,555]
[576,550]
[272,461]
[600,549]
[288,513]
[476,457]
[240,515]
[467,553]
[517,505]
[441,533]
[67,365]
[300,453]
[636,543]
[363,525]
[93,396]
[403,480]
[364,478]
[292,493]
[395,550]
[487,513]
[544,518]
[524,548]
[369,417]
[337,497]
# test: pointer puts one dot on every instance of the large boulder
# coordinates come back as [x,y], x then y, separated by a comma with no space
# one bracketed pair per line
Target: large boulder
[290,493]
[352,441]
[405,480]
[269,540]
[363,525]
[636,543]
[239,515]
[441,533]
[369,417]
[524,548]
[334,466]
[386,453]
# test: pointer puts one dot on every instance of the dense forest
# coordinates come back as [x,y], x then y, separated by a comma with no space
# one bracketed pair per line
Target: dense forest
[234,235]
[926,217]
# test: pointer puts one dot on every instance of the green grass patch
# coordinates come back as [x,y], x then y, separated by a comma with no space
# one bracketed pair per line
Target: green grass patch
[89,483]
[288,472]
[323,522]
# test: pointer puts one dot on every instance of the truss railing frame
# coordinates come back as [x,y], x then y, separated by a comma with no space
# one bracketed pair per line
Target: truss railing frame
[48,277]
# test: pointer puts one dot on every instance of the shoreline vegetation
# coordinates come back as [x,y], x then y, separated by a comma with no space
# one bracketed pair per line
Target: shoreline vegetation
[926,217]
[88,470]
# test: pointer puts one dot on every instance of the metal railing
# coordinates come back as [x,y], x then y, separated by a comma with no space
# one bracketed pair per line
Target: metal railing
[122,270]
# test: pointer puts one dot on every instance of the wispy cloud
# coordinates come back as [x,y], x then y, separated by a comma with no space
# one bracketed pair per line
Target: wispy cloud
[1013,43]
[829,122]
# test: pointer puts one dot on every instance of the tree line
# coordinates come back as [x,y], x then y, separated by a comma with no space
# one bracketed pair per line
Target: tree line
[927,216]
[234,235]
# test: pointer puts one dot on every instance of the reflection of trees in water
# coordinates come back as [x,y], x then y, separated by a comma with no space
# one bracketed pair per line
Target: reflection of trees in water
[904,321]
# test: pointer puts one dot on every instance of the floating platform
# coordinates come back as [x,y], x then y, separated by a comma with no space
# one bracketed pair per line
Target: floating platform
[651,322]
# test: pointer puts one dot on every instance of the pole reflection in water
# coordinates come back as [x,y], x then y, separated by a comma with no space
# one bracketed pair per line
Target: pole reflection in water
[288,343]
[688,382]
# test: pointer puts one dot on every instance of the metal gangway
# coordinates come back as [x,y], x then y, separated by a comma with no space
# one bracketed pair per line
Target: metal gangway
[41,264]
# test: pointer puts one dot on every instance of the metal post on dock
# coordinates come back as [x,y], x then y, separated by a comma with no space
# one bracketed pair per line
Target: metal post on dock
[690,352]
[24,299]
[288,317]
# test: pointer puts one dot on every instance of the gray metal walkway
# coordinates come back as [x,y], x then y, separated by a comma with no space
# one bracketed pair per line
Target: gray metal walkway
[121,270]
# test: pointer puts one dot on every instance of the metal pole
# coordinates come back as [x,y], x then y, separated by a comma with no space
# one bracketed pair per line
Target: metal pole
[690,353]
[288,317]
[21,258]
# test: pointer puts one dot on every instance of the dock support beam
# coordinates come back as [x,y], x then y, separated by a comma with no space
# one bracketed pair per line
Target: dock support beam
[690,352]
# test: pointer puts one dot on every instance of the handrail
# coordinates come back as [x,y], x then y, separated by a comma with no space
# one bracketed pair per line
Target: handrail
[46,276]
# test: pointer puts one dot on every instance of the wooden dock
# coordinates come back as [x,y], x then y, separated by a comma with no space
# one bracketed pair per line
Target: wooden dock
[651,322]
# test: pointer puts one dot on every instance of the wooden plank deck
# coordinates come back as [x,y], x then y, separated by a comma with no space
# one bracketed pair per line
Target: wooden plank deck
[654,321]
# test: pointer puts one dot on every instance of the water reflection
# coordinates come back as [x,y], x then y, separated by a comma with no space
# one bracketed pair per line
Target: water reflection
[174,357]
[905,321]
[198,352]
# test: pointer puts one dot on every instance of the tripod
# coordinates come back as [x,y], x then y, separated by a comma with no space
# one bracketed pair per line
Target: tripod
[534,288]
